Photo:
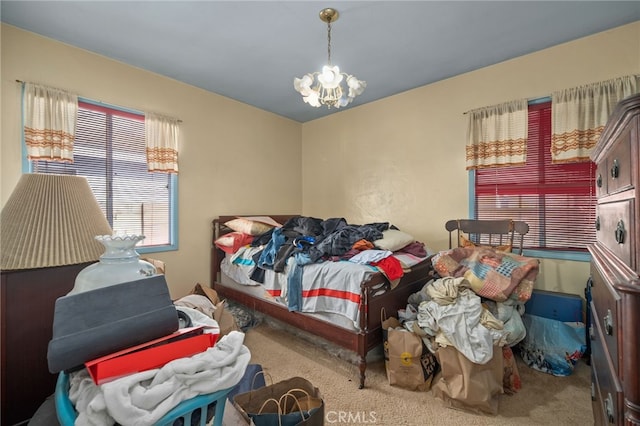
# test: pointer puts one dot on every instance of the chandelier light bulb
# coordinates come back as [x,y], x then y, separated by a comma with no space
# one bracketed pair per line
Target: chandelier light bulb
[330,77]
[326,87]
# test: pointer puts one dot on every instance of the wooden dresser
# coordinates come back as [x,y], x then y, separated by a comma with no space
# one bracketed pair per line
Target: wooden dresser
[27,305]
[615,265]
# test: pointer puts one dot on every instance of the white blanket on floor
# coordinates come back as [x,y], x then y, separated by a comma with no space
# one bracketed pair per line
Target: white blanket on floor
[143,398]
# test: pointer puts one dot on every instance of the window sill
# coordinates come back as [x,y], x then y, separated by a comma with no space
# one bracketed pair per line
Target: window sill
[577,256]
[156,249]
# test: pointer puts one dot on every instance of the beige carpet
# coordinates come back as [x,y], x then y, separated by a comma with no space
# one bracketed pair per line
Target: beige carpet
[543,400]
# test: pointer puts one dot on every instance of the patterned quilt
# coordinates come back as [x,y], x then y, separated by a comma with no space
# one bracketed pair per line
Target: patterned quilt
[493,274]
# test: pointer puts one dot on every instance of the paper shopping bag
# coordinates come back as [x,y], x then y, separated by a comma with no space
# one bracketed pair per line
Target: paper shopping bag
[272,412]
[269,405]
[466,385]
[408,361]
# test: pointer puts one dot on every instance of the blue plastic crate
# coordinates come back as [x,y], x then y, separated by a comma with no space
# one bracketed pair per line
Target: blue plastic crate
[557,306]
[67,414]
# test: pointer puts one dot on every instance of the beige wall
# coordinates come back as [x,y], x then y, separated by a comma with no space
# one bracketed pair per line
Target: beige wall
[219,138]
[402,159]
[399,159]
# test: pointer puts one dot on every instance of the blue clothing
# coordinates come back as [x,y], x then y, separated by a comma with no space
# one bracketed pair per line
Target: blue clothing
[269,253]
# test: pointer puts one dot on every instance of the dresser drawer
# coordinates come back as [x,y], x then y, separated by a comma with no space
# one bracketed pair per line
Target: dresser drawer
[617,165]
[602,170]
[604,312]
[596,403]
[608,391]
[616,229]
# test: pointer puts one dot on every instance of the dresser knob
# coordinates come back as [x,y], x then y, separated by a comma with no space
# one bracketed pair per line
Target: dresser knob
[597,223]
[619,233]
[608,405]
[599,181]
[608,323]
[615,169]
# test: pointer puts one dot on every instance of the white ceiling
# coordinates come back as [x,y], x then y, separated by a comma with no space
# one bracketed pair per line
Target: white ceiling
[252,50]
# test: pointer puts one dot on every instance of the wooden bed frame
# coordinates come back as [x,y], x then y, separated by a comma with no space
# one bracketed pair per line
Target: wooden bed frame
[362,341]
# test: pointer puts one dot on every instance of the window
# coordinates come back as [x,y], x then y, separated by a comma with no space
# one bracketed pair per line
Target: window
[556,200]
[109,150]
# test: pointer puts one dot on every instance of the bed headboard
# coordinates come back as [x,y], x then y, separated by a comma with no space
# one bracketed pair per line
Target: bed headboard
[220,229]
[489,232]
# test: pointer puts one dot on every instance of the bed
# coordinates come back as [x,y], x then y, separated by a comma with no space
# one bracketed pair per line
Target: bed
[355,324]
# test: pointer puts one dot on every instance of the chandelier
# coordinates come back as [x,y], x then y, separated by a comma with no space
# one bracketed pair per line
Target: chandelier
[329,87]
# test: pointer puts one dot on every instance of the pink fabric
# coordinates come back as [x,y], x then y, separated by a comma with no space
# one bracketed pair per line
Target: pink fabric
[231,242]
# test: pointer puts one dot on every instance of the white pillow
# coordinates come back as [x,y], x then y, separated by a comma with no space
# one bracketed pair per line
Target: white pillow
[393,240]
[249,227]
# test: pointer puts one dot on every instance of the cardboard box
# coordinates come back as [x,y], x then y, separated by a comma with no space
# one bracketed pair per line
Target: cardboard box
[153,354]
[158,264]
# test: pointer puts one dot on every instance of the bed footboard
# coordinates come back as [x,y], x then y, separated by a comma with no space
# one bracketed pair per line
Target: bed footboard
[391,301]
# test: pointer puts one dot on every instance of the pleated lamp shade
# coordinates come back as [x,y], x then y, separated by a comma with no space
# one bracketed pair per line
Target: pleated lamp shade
[51,220]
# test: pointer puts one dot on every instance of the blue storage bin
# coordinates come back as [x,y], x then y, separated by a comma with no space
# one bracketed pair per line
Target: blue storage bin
[556,306]
[67,413]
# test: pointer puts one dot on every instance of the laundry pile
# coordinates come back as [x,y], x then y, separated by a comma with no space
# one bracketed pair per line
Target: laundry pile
[131,354]
[143,398]
[470,317]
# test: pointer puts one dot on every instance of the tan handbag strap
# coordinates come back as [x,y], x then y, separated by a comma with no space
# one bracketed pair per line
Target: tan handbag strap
[253,382]
[277,405]
[289,394]
[297,390]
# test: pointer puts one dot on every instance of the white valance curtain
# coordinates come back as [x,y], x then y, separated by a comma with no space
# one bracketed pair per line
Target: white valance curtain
[50,117]
[579,115]
[497,135]
[161,135]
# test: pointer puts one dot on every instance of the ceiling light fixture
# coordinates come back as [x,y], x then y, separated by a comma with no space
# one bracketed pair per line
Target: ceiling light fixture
[328,89]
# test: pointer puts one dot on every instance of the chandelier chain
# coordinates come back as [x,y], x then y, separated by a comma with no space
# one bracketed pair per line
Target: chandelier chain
[329,42]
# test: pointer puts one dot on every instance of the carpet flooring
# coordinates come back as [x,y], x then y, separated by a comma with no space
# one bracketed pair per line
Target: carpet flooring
[543,400]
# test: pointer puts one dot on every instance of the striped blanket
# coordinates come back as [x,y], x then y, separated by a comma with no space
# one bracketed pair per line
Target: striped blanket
[326,286]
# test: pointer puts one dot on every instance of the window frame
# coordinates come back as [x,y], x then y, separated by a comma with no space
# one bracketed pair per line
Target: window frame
[27,167]
[579,256]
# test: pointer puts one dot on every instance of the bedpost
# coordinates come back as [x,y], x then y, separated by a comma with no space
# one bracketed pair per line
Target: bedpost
[363,343]
[362,365]
[215,261]
[362,352]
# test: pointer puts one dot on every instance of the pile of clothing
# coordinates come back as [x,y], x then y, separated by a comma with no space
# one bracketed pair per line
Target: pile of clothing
[470,317]
[165,367]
